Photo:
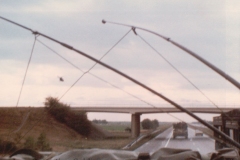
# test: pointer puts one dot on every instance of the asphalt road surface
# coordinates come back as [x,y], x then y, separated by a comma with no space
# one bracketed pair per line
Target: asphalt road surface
[203,144]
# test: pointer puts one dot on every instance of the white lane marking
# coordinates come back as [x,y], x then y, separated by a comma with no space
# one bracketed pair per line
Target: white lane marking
[168,139]
[193,143]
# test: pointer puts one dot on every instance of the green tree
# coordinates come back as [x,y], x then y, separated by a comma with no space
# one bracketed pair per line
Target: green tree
[29,143]
[155,124]
[42,143]
[95,121]
[80,123]
[146,124]
[104,121]
[62,113]
[57,109]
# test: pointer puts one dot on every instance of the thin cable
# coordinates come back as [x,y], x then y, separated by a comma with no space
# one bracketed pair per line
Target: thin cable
[59,55]
[178,71]
[154,92]
[19,96]
[95,64]
[223,74]
[113,84]
[108,82]
[223,135]
[26,71]
[181,74]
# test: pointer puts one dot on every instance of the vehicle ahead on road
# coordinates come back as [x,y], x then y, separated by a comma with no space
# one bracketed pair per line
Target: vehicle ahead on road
[198,133]
[180,129]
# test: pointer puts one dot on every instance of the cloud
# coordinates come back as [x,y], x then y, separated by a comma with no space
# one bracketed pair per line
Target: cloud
[45,7]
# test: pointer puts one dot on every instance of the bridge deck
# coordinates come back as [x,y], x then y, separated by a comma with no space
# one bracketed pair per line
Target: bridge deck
[147,110]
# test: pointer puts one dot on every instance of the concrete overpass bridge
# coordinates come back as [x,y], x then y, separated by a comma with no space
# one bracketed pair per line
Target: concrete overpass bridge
[136,112]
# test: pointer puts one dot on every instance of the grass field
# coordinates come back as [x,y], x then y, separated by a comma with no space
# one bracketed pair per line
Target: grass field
[117,138]
[115,126]
[120,138]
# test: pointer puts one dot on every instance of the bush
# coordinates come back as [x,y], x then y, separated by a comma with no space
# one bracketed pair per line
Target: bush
[29,143]
[42,143]
[62,113]
[148,124]
[7,146]
[80,123]
[57,109]
[100,121]
[155,124]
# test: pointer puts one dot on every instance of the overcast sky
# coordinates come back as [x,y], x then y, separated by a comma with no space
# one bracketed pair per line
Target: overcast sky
[210,29]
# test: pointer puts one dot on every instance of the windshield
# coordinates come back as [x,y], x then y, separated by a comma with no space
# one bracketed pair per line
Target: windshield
[53,99]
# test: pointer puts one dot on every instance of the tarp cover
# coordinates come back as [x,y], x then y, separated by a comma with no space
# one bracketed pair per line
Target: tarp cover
[175,154]
[105,154]
[100,154]
[161,154]
[97,154]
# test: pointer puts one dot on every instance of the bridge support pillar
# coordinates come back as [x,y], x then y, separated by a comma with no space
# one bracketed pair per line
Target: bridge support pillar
[135,125]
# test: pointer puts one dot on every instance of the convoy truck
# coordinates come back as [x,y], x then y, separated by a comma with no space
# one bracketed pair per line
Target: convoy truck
[180,129]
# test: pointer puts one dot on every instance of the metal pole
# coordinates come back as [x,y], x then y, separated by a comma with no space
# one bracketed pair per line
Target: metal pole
[223,74]
[138,83]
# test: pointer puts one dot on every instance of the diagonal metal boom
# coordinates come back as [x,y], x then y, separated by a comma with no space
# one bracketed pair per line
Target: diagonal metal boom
[223,74]
[234,143]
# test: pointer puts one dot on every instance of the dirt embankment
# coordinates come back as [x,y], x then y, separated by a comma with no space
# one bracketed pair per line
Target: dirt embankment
[16,124]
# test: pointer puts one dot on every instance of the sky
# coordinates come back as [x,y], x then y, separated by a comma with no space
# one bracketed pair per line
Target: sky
[209,28]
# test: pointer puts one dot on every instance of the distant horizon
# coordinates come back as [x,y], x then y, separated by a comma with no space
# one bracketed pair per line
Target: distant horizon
[126,117]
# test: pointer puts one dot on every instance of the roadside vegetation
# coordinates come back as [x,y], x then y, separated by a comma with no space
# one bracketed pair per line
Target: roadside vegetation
[116,126]
[149,124]
[55,127]
[61,112]
[41,143]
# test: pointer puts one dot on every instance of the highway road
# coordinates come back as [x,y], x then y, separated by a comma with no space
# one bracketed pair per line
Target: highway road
[203,144]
